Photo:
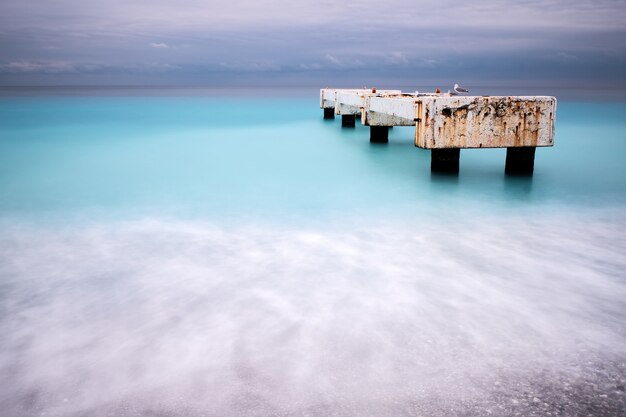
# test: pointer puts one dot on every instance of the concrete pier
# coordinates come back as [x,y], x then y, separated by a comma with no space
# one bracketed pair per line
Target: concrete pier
[520,161]
[348,120]
[379,134]
[348,101]
[446,123]
[445,160]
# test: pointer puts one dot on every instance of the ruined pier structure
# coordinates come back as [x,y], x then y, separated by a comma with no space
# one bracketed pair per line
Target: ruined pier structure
[446,123]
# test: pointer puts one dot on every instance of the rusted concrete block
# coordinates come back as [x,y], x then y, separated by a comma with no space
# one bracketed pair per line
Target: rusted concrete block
[444,121]
[484,122]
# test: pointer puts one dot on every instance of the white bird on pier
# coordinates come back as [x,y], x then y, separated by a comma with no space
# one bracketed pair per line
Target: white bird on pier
[458,90]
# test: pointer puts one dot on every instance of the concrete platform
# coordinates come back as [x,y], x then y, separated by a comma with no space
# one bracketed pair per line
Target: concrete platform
[445,121]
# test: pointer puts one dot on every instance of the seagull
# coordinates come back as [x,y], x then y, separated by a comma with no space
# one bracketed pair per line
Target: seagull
[460,90]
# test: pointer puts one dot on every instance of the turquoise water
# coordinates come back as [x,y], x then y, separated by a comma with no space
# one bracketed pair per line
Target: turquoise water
[211,254]
[274,157]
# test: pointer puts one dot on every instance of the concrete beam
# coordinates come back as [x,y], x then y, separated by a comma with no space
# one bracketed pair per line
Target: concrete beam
[444,121]
[484,122]
[390,110]
[349,101]
[328,96]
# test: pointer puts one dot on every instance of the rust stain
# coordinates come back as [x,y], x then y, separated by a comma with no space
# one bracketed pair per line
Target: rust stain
[483,122]
[418,127]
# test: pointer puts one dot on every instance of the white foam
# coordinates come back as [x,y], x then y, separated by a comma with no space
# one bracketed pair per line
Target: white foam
[193,318]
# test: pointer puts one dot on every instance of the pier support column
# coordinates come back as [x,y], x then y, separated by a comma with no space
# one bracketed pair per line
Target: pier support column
[329,113]
[348,120]
[445,160]
[520,161]
[379,134]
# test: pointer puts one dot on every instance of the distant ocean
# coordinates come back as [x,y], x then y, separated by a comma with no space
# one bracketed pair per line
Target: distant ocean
[204,252]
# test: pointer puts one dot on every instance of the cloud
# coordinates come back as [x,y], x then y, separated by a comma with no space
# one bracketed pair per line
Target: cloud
[427,62]
[28,66]
[313,66]
[565,57]
[195,15]
[397,58]
[349,61]
[250,66]
[16,67]
[333,60]
[319,37]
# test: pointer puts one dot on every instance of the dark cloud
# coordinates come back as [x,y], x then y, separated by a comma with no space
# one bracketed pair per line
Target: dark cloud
[58,41]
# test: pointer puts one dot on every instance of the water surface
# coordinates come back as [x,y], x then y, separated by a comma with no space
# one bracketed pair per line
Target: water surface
[202,254]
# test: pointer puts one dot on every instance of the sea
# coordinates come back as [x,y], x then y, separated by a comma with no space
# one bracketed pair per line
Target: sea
[225,252]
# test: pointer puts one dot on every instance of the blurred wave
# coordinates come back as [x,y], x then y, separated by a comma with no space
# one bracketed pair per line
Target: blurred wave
[499,316]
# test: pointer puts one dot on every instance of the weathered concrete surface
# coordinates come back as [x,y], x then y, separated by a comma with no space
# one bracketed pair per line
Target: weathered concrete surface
[484,122]
[390,110]
[354,102]
[444,121]
[349,101]
[328,96]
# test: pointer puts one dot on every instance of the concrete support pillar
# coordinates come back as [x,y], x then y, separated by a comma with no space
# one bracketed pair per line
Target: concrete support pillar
[445,160]
[379,134]
[348,120]
[329,113]
[520,161]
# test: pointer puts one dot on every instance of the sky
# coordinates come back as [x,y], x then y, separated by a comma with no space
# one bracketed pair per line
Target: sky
[312,42]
